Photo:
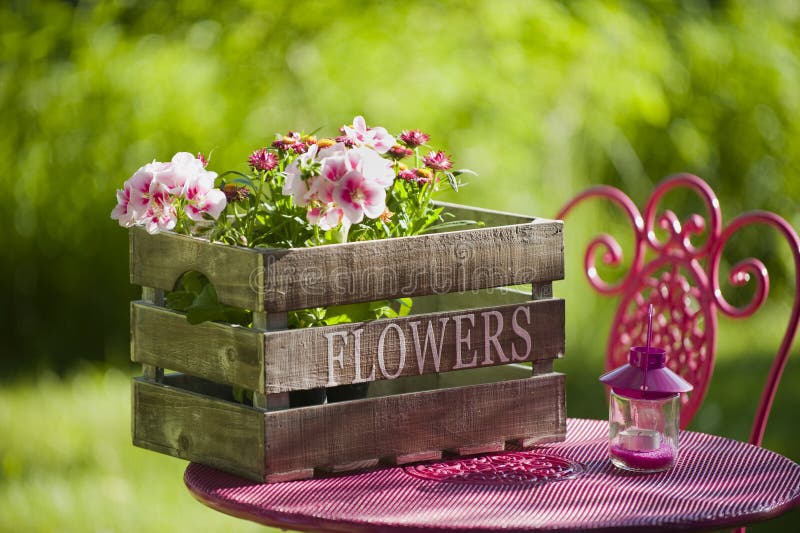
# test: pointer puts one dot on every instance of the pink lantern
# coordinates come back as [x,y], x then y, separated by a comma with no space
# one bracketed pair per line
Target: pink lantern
[644,410]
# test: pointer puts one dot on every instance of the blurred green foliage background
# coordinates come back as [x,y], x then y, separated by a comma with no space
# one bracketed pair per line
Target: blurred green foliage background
[541,98]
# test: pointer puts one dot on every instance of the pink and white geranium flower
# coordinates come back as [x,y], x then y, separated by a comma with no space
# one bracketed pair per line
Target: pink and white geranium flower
[161,213]
[377,138]
[334,202]
[139,186]
[202,198]
[327,216]
[295,185]
[123,211]
[357,196]
[372,166]
[182,167]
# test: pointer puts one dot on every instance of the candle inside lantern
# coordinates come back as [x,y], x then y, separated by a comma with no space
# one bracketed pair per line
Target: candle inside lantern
[644,410]
[640,440]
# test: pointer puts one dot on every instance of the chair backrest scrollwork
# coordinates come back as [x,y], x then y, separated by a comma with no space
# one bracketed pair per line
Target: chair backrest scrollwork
[681,279]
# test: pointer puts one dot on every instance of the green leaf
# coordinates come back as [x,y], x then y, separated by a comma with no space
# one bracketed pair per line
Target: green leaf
[180,300]
[236,172]
[207,296]
[464,171]
[238,394]
[244,181]
[452,179]
[194,281]
[383,309]
[234,315]
[332,320]
[339,314]
[200,314]
[404,306]
[206,307]
[450,225]
[242,395]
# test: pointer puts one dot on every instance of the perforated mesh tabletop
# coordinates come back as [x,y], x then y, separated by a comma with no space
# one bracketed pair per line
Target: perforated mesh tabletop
[717,482]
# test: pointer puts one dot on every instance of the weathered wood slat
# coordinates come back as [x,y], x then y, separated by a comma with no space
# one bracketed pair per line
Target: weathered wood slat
[389,426]
[412,458]
[434,303]
[487,216]
[497,446]
[355,465]
[198,428]
[279,280]
[275,362]
[410,266]
[294,475]
[422,344]
[160,260]
[271,322]
[219,352]
[155,297]
[457,378]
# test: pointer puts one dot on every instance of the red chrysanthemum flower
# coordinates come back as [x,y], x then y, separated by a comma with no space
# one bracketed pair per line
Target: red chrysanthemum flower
[398,152]
[325,143]
[413,138]
[424,175]
[438,161]
[346,140]
[288,141]
[408,175]
[263,159]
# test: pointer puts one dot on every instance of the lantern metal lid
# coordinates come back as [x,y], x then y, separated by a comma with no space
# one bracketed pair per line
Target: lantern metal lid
[645,376]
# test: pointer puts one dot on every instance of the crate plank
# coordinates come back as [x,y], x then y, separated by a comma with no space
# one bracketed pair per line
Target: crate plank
[160,260]
[355,465]
[497,446]
[412,458]
[457,378]
[469,299]
[199,428]
[410,266]
[432,420]
[488,216]
[416,345]
[219,352]
[155,297]
[276,280]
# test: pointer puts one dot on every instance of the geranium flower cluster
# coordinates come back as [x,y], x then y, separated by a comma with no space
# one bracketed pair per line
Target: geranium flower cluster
[345,179]
[341,185]
[299,189]
[155,194]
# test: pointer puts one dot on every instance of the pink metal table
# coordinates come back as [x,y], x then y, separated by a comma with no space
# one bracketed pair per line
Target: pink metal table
[716,483]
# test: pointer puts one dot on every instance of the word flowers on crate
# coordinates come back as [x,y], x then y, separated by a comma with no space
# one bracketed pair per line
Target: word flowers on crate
[261,289]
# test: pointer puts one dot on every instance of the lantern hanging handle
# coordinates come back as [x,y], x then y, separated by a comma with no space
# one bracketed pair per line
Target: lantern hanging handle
[649,337]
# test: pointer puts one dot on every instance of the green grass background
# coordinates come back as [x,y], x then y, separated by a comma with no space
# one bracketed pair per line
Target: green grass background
[541,98]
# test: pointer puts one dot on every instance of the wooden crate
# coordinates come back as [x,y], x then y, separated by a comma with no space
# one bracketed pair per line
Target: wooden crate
[448,378]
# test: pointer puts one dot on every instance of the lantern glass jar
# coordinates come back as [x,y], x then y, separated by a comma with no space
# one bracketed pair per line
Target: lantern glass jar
[644,411]
[643,433]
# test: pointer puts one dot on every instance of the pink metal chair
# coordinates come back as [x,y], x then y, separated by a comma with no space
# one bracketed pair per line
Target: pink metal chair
[681,279]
